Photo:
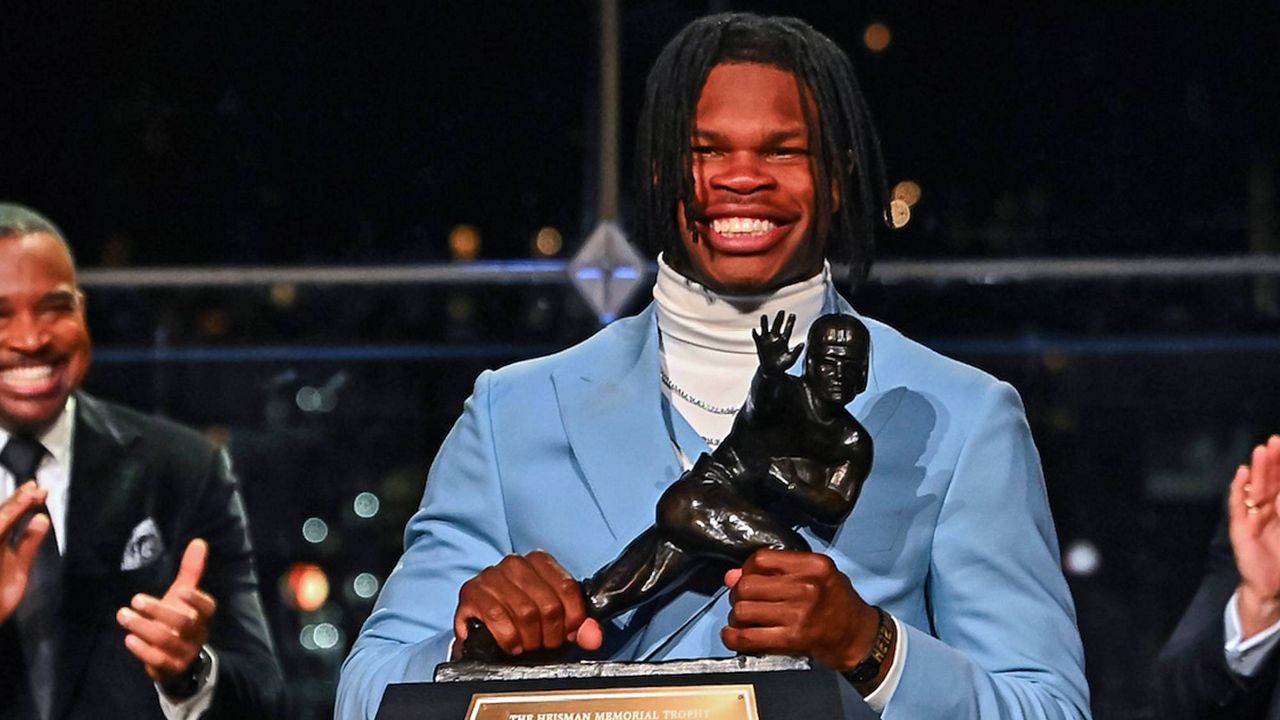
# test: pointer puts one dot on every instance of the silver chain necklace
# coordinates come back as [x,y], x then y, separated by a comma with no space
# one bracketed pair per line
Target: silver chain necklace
[713,409]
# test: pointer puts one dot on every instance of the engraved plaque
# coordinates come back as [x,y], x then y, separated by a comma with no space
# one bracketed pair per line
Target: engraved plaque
[694,702]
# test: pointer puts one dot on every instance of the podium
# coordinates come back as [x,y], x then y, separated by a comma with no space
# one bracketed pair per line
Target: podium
[750,688]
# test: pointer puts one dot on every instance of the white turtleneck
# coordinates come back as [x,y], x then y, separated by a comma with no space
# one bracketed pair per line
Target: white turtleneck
[709,354]
[707,349]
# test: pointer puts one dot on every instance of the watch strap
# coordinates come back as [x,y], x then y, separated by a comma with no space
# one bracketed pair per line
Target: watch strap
[869,667]
[189,681]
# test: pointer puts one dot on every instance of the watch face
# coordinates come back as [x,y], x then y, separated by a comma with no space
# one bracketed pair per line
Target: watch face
[202,664]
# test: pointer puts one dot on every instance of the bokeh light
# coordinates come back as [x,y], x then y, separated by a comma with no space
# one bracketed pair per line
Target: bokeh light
[877,37]
[320,637]
[305,587]
[908,191]
[464,242]
[327,636]
[307,637]
[899,214]
[366,505]
[284,295]
[1082,559]
[547,242]
[365,585]
[315,530]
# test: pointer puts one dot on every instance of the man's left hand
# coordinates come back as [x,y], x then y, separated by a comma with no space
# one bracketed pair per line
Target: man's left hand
[1254,526]
[797,603]
[166,633]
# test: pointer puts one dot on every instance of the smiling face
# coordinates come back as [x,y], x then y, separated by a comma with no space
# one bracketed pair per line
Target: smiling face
[44,341]
[753,183]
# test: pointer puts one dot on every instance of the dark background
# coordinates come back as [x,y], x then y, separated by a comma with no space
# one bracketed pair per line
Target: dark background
[291,133]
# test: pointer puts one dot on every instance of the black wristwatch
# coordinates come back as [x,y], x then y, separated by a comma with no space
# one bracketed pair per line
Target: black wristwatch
[189,681]
[869,667]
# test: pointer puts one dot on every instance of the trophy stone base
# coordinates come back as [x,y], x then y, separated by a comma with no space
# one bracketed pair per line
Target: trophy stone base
[771,687]
[485,672]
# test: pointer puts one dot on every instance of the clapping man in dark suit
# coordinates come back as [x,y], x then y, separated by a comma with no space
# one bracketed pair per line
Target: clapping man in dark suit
[1222,660]
[127,586]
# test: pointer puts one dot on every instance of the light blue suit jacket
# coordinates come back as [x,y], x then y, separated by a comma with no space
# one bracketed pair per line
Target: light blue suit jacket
[569,453]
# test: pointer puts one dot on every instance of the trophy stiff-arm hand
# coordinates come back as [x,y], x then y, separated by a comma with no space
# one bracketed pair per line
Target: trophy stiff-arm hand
[771,343]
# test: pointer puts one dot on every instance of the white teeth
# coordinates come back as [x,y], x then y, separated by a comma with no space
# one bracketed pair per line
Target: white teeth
[26,374]
[742,226]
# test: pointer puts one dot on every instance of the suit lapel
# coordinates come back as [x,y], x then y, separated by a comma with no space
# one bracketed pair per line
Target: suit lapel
[612,415]
[98,465]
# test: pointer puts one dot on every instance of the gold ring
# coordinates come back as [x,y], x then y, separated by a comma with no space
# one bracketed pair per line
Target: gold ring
[1251,510]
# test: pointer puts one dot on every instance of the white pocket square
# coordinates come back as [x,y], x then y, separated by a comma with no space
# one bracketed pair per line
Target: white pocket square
[144,546]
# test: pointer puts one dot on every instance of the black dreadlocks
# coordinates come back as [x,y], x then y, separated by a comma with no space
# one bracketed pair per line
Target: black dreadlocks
[847,148]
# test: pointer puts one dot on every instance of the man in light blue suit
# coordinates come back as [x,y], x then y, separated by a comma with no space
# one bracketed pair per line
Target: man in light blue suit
[939,597]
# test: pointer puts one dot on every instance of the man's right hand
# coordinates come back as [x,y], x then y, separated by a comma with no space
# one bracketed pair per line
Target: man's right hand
[528,602]
[15,559]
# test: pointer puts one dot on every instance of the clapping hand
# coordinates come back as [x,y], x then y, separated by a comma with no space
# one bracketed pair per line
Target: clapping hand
[16,558]
[166,633]
[1254,517]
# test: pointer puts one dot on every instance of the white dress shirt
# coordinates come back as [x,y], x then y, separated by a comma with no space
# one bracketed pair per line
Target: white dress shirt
[54,475]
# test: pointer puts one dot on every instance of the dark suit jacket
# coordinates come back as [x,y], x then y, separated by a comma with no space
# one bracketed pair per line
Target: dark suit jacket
[127,467]
[1192,677]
